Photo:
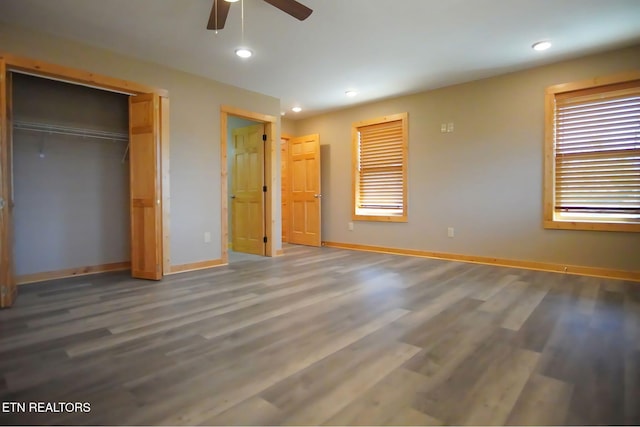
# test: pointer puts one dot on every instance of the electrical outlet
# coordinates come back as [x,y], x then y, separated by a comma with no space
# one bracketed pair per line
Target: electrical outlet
[207,237]
[450,127]
[443,127]
[350,226]
[450,232]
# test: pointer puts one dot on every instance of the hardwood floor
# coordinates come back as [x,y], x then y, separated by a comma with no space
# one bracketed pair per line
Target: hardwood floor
[327,336]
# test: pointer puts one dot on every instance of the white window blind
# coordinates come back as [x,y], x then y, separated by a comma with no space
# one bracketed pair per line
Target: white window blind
[597,152]
[381,166]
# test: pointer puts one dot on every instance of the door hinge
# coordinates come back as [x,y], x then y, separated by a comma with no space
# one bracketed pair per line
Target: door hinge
[264,239]
[264,188]
[264,136]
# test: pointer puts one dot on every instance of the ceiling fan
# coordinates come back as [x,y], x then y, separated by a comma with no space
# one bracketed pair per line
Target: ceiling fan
[220,10]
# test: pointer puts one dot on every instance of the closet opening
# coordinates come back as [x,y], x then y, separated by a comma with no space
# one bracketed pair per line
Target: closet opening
[147,130]
[70,179]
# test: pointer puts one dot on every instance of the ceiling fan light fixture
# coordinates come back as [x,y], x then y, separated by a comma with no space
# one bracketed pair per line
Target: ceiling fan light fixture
[220,11]
[541,45]
[296,109]
[243,52]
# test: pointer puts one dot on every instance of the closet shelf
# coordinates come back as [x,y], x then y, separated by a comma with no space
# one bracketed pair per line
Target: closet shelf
[68,130]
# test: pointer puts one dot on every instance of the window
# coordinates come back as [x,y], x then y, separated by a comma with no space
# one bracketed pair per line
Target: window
[380,169]
[592,155]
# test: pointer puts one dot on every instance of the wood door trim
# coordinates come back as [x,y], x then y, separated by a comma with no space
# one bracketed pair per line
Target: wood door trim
[88,78]
[246,114]
[224,201]
[165,180]
[8,290]
[270,178]
[502,262]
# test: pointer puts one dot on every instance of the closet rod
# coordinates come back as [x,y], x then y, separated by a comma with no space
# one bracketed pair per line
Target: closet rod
[68,130]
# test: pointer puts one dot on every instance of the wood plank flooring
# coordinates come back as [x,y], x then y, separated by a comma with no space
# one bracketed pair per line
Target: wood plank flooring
[327,337]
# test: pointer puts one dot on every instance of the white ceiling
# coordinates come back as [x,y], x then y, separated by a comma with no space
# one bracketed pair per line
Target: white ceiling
[381,48]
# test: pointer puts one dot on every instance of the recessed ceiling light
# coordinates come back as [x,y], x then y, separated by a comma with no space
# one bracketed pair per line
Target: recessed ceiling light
[231,1]
[544,45]
[244,52]
[351,93]
[296,109]
[282,113]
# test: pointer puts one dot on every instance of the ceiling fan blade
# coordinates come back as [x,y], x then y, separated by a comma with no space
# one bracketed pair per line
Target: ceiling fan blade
[292,7]
[219,12]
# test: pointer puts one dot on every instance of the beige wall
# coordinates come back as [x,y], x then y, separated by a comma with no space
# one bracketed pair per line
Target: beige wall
[484,179]
[195,131]
[288,127]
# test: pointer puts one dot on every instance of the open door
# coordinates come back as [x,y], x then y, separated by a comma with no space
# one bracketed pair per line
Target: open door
[7,279]
[247,190]
[304,185]
[145,190]
[284,188]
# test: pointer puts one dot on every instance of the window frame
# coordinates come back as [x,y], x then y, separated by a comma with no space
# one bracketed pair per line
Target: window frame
[372,215]
[550,219]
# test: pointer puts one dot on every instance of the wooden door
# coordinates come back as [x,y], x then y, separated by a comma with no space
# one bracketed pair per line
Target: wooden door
[284,188]
[145,190]
[247,190]
[305,196]
[7,279]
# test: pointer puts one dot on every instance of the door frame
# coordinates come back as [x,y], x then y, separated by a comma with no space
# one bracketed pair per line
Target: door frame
[284,140]
[86,78]
[270,178]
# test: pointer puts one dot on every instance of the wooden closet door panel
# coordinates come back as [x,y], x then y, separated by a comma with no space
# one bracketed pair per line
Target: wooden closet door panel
[146,209]
[7,279]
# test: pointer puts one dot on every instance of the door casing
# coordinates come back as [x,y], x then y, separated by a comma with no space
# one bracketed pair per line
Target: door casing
[71,75]
[284,185]
[271,178]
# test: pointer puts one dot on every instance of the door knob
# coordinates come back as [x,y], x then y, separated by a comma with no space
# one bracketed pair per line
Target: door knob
[233,196]
[317,196]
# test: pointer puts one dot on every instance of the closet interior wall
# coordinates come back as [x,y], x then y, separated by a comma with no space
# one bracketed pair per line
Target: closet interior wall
[71,176]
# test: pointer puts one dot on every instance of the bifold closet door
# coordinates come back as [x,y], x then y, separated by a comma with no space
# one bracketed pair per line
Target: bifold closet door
[145,187]
[7,279]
